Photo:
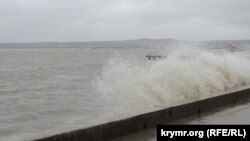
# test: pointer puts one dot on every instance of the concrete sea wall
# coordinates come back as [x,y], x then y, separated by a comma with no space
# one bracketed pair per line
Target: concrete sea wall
[125,126]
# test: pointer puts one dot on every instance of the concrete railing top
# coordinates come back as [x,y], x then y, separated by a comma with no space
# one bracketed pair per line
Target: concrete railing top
[114,127]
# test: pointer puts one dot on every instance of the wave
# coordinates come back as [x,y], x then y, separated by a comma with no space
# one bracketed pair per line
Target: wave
[186,74]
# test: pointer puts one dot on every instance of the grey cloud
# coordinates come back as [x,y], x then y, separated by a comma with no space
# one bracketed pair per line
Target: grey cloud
[83,20]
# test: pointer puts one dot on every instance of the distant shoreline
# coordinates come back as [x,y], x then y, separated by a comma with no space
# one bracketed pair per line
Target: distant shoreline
[137,43]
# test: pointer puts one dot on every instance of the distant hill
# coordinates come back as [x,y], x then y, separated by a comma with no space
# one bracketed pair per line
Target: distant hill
[137,43]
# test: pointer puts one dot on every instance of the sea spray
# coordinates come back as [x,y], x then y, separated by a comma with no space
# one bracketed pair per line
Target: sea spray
[186,74]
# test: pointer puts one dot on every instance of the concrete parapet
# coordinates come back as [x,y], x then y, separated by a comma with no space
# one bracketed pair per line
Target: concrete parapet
[125,126]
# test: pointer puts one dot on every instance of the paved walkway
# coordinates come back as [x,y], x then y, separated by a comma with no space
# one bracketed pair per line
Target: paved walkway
[239,114]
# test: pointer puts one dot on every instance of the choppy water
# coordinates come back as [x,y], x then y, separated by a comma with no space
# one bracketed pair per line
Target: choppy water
[46,88]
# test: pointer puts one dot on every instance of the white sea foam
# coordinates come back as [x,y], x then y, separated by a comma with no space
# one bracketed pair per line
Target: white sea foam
[186,74]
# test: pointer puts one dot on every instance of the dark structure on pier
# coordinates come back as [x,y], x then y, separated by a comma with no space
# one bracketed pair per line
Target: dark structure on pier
[234,48]
[154,57]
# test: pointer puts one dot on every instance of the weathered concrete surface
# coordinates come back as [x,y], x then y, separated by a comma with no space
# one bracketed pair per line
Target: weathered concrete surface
[238,114]
[143,121]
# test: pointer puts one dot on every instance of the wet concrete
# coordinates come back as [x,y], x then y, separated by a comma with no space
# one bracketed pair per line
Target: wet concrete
[238,114]
[128,125]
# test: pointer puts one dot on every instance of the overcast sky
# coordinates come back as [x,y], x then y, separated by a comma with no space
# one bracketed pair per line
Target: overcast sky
[91,20]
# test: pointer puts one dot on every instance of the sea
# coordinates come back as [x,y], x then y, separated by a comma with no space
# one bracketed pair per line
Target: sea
[49,86]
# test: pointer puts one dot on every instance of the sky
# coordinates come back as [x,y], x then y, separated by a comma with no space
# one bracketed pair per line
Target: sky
[101,20]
